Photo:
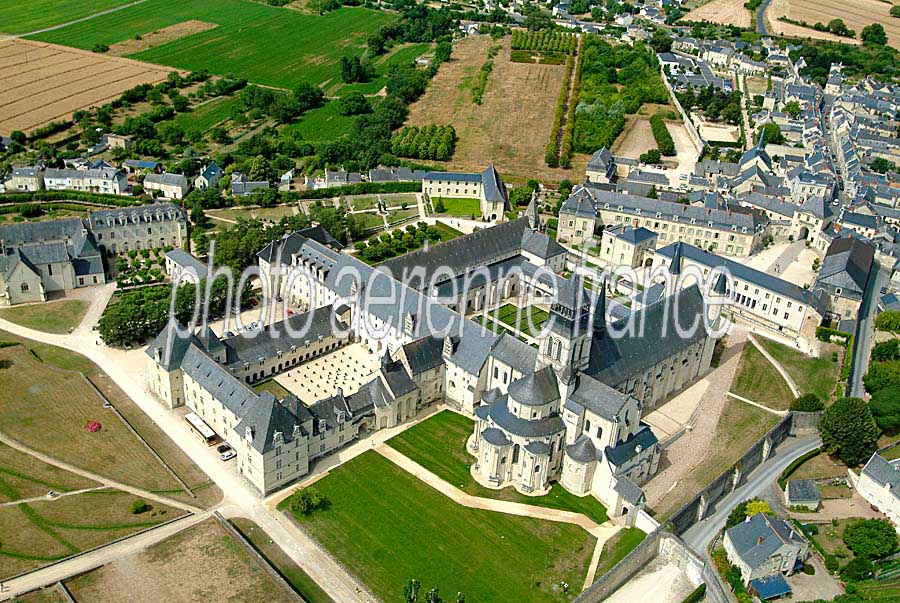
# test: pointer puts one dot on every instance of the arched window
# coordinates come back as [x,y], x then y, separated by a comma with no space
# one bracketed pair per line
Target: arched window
[587,426]
[515,453]
[24,287]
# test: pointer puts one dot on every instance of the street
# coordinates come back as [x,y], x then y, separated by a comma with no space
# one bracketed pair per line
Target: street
[865,328]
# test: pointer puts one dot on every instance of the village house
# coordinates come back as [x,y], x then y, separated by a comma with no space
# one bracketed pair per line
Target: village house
[166,185]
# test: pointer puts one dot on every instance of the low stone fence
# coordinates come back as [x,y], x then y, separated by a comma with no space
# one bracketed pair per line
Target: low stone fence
[692,131]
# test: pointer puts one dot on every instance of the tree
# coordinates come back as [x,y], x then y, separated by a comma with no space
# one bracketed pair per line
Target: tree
[439,206]
[355,70]
[807,403]
[886,351]
[354,103]
[792,108]
[773,134]
[839,28]
[874,34]
[758,506]
[308,96]
[871,538]
[18,136]
[650,157]
[138,506]
[881,375]
[895,10]
[857,569]
[889,320]
[882,165]
[885,407]
[849,431]
[308,500]
[661,41]
[442,52]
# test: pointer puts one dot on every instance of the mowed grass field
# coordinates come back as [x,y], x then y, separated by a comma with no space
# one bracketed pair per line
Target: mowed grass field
[264,44]
[17,17]
[53,317]
[439,445]
[48,406]
[386,526]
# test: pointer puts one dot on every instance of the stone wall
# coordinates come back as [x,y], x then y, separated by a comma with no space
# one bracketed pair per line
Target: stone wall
[658,544]
[689,125]
[730,479]
[805,423]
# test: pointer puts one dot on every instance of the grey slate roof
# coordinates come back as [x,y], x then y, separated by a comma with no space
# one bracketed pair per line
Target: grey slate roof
[596,397]
[803,490]
[535,389]
[883,473]
[629,490]
[495,437]
[499,414]
[847,265]
[583,450]
[167,179]
[267,342]
[760,537]
[424,354]
[745,273]
[186,261]
[627,450]
[266,417]
[515,353]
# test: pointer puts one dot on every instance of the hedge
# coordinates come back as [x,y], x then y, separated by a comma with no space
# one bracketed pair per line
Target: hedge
[825,334]
[551,154]
[848,359]
[661,134]
[789,470]
[697,595]
[360,188]
[565,150]
[98,198]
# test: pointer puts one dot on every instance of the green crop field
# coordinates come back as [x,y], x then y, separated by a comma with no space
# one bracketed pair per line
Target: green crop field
[323,124]
[204,117]
[264,44]
[15,19]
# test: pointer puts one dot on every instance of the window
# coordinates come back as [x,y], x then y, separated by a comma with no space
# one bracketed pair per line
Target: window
[24,287]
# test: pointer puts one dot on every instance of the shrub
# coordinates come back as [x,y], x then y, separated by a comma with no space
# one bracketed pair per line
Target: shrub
[871,538]
[831,563]
[807,403]
[661,135]
[809,569]
[859,568]
[889,320]
[885,407]
[882,375]
[138,506]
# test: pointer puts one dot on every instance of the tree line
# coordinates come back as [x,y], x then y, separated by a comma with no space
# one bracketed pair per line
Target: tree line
[661,134]
[425,142]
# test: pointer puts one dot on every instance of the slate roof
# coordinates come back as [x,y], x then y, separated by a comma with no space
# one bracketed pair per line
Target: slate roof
[758,538]
[250,346]
[500,415]
[817,207]
[266,417]
[632,235]
[597,397]
[186,261]
[424,354]
[535,389]
[883,473]
[772,586]
[509,350]
[743,272]
[495,437]
[167,179]
[628,490]
[580,203]
[493,188]
[616,359]
[847,265]
[171,347]
[803,490]
[230,391]
[627,450]
[583,450]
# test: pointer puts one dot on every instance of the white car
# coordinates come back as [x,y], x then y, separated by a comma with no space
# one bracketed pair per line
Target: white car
[228,455]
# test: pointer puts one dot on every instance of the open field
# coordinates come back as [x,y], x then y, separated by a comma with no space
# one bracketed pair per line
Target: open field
[52,317]
[264,44]
[856,15]
[722,11]
[284,565]
[202,563]
[16,19]
[159,37]
[51,594]
[818,466]
[398,55]
[323,123]
[388,527]
[812,375]
[439,445]
[615,549]
[247,213]
[511,126]
[739,427]
[41,83]
[759,381]
[53,405]
[206,116]
[23,476]
[38,532]
[636,138]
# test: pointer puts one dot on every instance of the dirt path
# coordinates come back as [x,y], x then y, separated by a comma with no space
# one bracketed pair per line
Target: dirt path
[82,19]
[17,445]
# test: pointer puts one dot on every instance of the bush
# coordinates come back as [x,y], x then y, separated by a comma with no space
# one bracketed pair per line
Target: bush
[661,135]
[809,569]
[859,568]
[889,320]
[849,431]
[789,470]
[139,506]
[882,375]
[831,563]
[807,403]
[885,407]
[871,538]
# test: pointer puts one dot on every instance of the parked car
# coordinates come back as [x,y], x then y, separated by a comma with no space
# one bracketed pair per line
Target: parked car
[227,456]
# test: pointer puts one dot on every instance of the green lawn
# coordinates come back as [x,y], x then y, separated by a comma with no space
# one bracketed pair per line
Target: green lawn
[273,387]
[264,44]
[15,18]
[284,565]
[361,202]
[439,445]
[617,547]
[388,527]
[323,124]
[812,375]
[508,313]
[759,381]
[204,117]
[53,317]
[458,206]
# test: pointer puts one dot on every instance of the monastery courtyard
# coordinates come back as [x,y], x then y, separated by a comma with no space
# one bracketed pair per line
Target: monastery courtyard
[348,368]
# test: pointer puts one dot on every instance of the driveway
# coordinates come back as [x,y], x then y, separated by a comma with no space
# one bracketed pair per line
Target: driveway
[821,586]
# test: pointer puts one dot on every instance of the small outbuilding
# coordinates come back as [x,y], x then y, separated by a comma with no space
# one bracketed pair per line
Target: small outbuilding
[802,493]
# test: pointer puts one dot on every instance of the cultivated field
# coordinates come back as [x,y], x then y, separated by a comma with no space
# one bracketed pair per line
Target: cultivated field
[41,83]
[387,527]
[722,11]
[856,15]
[39,14]
[202,563]
[511,126]
[264,44]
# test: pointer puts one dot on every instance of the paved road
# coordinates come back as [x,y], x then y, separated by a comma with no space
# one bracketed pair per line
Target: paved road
[701,534]
[865,327]
[761,18]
